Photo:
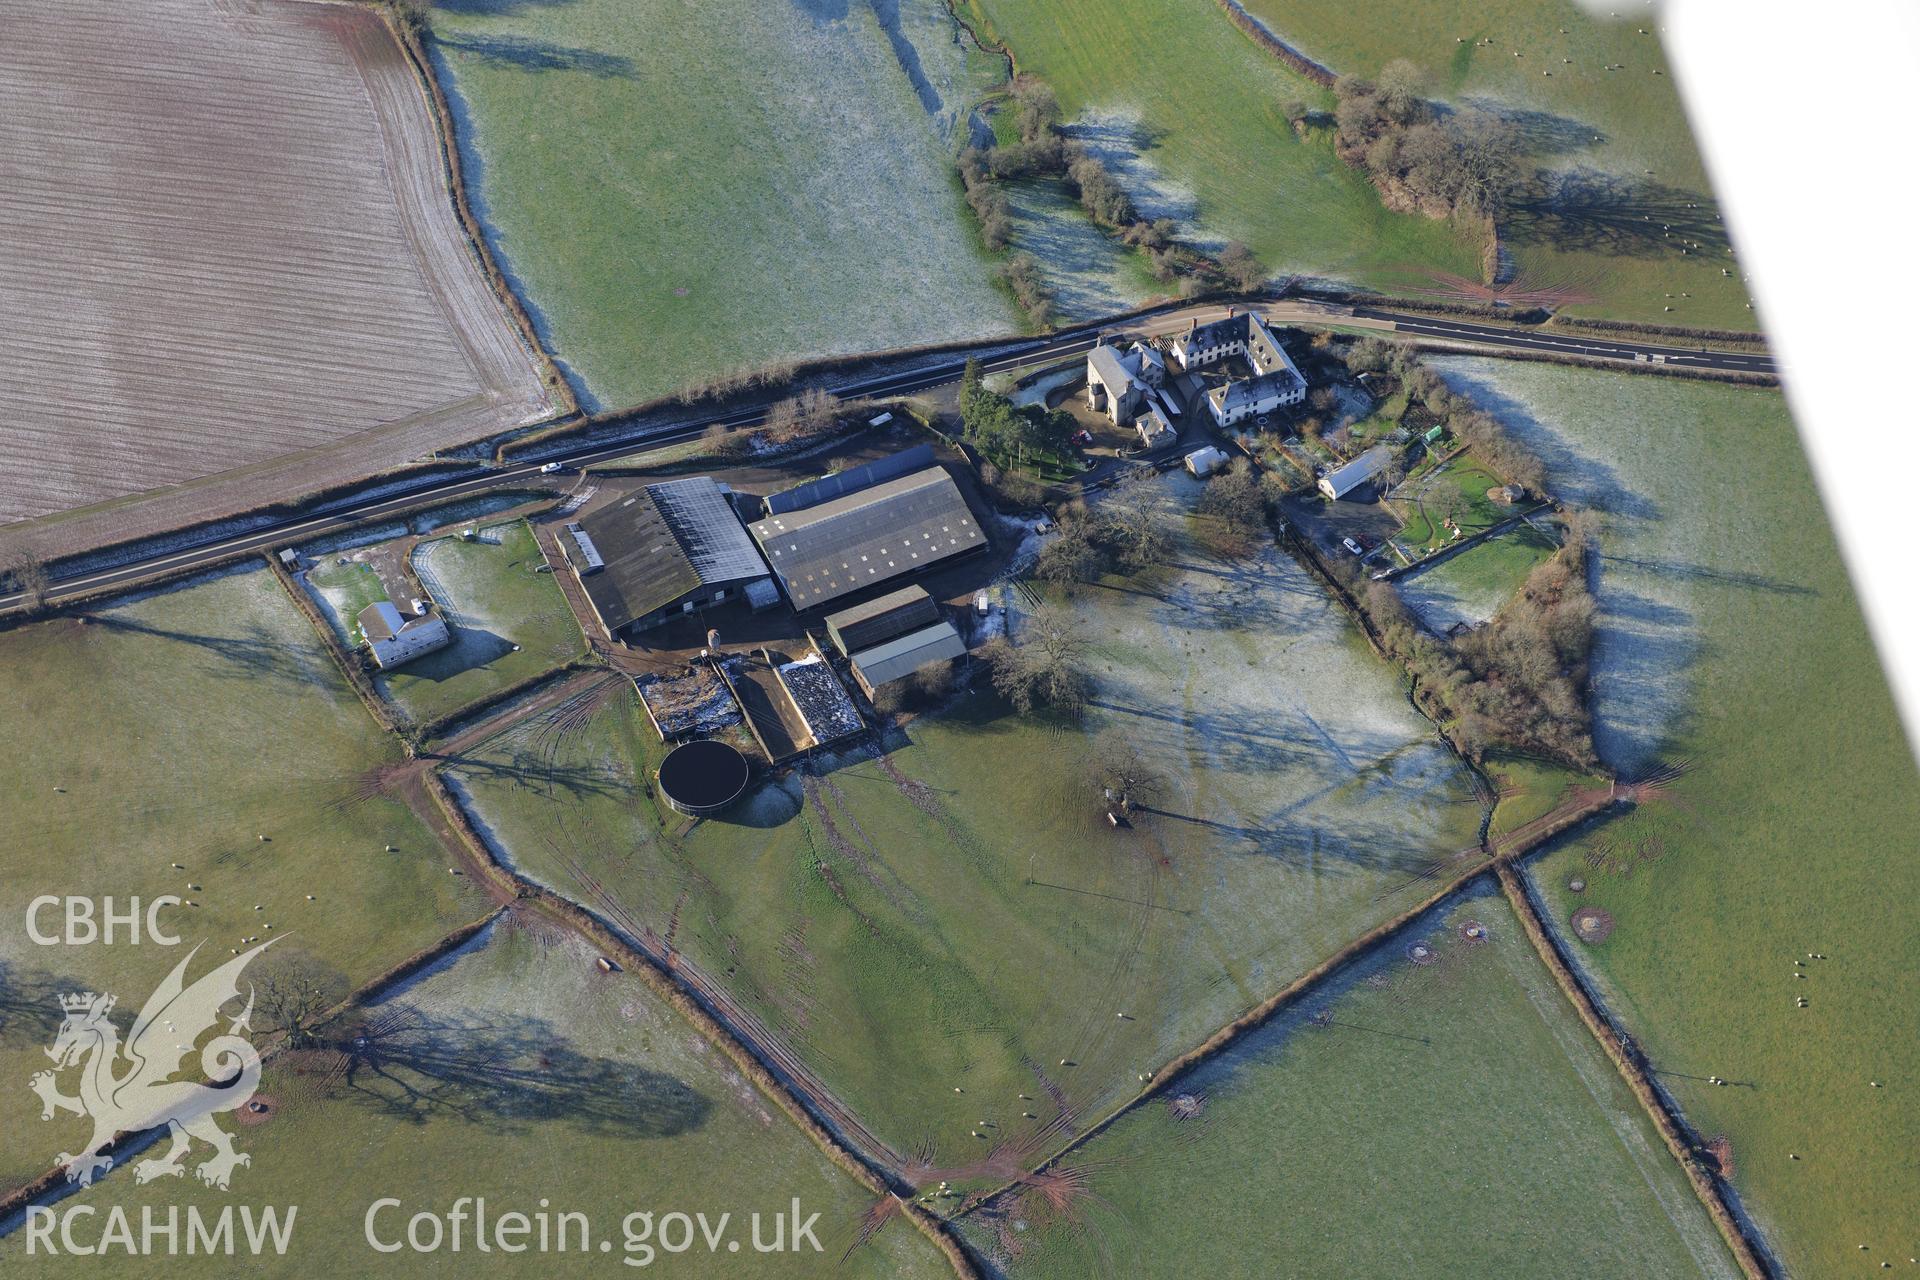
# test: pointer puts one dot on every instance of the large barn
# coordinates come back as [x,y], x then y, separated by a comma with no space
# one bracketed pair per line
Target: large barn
[666,551]
[827,552]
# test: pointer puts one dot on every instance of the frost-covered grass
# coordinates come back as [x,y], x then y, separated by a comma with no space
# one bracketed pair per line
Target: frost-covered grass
[510,621]
[181,726]
[960,914]
[1453,1118]
[1627,124]
[1471,586]
[516,1072]
[1188,111]
[1091,273]
[1729,638]
[682,189]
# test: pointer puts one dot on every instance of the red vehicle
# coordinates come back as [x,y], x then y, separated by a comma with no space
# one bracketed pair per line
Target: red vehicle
[1082,436]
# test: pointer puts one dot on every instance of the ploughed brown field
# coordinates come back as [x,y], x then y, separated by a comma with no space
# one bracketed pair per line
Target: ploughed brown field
[228,261]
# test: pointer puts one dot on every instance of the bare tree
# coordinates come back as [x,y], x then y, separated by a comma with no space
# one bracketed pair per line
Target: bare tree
[22,570]
[1046,667]
[1242,268]
[1125,776]
[1137,522]
[293,993]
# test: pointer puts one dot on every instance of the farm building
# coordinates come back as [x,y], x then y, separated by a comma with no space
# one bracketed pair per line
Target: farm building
[666,551]
[901,656]
[1204,462]
[1340,482]
[396,640]
[1119,382]
[881,619]
[853,479]
[824,553]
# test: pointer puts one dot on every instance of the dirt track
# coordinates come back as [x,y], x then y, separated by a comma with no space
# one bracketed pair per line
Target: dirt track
[232,269]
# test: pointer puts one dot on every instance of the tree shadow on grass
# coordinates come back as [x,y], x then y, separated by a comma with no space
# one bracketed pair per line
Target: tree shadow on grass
[247,656]
[30,1011]
[888,14]
[508,1072]
[1610,213]
[522,53]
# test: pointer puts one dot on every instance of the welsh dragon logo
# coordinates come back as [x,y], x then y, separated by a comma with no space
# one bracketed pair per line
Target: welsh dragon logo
[131,1088]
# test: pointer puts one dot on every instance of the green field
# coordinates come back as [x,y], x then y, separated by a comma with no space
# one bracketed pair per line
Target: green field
[1471,586]
[1730,639]
[1644,169]
[681,190]
[510,622]
[1448,1118]
[959,915]
[518,1073]
[1188,111]
[181,726]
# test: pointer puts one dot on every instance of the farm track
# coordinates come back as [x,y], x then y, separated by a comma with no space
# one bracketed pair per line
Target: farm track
[241,257]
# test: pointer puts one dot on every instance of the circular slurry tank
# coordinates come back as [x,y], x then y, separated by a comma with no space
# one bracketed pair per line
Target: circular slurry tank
[703,777]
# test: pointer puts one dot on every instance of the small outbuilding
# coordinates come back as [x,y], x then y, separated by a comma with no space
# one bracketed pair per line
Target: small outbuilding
[1202,463]
[396,640]
[1341,481]
[901,657]
[881,619]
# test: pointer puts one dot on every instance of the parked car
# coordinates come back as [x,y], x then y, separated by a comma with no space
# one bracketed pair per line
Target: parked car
[1082,436]
[549,469]
[1353,546]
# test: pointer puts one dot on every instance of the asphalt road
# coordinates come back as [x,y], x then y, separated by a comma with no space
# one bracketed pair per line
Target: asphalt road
[1570,344]
[1067,343]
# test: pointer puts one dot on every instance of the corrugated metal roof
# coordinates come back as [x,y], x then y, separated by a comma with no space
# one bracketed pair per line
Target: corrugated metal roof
[897,659]
[853,479]
[663,542]
[895,613]
[823,553]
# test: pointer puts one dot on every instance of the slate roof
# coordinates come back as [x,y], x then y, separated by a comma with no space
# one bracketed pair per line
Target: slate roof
[663,542]
[863,539]
[1106,365]
[904,655]
[1251,391]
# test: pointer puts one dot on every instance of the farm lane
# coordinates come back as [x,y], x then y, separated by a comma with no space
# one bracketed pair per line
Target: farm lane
[1490,338]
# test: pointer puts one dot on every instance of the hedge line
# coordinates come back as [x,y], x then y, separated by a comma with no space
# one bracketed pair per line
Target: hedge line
[1708,1186]
[663,985]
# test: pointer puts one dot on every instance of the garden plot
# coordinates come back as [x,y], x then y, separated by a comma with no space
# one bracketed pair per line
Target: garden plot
[517,1072]
[1729,644]
[283,299]
[796,198]
[938,927]
[204,725]
[1471,586]
[1435,1108]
